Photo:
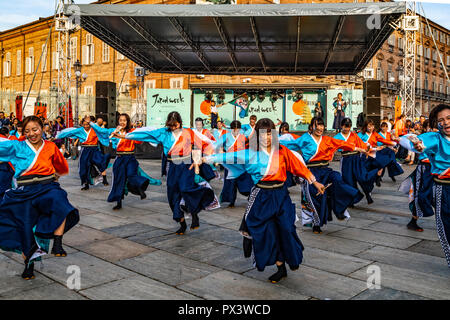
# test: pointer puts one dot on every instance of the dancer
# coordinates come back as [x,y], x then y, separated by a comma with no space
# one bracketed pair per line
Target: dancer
[318,151]
[127,175]
[179,144]
[436,145]
[38,209]
[219,131]
[232,142]
[91,155]
[18,131]
[339,113]
[270,215]
[284,134]
[353,164]
[385,157]
[249,129]
[420,188]
[6,169]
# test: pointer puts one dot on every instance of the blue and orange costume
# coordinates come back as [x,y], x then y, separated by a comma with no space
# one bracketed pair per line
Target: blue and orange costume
[270,216]
[127,175]
[244,183]
[90,152]
[353,166]
[30,213]
[437,149]
[6,172]
[340,195]
[180,180]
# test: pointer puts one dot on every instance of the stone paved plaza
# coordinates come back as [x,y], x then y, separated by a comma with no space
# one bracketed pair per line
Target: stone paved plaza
[134,253]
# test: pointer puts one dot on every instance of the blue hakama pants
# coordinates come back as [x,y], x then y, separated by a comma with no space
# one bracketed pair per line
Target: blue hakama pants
[6,177]
[442,205]
[181,185]
[336,198]
[354,171]
[125,174]
[34,211]
[270,221]
[92,156]
[243,183]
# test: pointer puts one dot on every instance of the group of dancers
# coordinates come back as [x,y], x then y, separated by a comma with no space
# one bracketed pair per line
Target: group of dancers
[259,162]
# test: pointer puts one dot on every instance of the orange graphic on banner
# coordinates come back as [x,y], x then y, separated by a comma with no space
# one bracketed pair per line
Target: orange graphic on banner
[40,110]
[300,108]
[205,107]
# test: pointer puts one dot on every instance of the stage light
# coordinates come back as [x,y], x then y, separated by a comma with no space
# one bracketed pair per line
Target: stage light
[261,95]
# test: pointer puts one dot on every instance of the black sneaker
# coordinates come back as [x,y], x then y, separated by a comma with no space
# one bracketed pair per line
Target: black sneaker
[118,206]
[369,198]
[195,221]
[58,249]
[231,205]
[393,179]
[247,245]
[105,181]
[182,228]
[317,230]
[340,216]
[378,181]
[280,274]
[28,272]
[412,225]
[143,194]
[86,187]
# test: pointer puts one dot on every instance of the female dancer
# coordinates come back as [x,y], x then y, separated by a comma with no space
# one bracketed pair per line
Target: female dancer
[220,131]
[179,143]
[208,172]
[126,172]
[6,169]
[232,142]
[270,215]
[38,210]
[421,188]
[90,152]
[318,151]
[437,146]
[284,134]
[17,132]
[385,157]
[353,164]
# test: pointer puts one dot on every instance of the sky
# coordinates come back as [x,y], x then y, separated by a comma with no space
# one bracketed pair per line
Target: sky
[14,13]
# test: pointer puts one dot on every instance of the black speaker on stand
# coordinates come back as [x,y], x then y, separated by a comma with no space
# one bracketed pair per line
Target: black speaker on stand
[372,101]
[105,102]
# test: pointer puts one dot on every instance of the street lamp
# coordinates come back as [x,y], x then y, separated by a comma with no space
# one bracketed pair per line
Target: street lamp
[79,78]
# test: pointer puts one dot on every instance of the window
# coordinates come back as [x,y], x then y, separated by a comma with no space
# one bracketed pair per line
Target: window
[73,92]
[30,61]
[400,44]
[433,84]
[88,90]
[105,52]
[19,63]
[425,82]
[391,40]
[73,50]
[7,65]
[44,58]
[149,84]
[441,86]
[379,72]
[419,50]
[120,56]
[55,56]
[89,50]
[434,55]
[176,83]
[448,60]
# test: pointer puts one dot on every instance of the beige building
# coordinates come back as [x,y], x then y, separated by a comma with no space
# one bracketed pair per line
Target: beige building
[22,47]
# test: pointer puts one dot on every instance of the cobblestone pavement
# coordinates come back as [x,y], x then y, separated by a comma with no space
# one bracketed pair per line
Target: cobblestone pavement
[134,253]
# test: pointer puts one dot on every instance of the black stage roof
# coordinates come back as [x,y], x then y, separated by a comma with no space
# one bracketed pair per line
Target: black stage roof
[266,39]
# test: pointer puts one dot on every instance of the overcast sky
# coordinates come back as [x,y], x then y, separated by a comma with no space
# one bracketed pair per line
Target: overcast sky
[14,13]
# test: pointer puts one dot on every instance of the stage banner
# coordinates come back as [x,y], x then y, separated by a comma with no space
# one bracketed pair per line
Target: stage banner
[300,112]
[265,109]
[202,108]
[354,100]
[398,107]
[160,102]
[40,109]
[19,111]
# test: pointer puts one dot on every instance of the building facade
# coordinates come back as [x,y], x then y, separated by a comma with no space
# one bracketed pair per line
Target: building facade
[29,63]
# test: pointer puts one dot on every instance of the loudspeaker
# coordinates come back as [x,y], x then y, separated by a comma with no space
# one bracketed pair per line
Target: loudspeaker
[372,106]
[372,88]
[105,102]
[105,89]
